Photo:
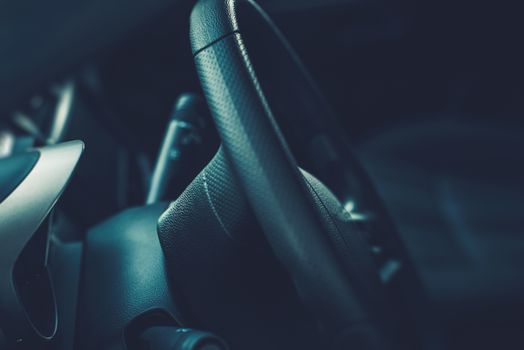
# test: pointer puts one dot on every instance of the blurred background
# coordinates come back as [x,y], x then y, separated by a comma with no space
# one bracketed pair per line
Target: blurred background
[435,85]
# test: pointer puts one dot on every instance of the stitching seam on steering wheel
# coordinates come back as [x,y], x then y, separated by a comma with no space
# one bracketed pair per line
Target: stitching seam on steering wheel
[215,212]
[214,42]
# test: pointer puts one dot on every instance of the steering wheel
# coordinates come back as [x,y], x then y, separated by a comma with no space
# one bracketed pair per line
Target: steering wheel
[253,82]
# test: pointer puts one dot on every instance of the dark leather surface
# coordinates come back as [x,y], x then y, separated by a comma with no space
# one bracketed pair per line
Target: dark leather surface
[260,157]
[211,20]
[14,169]
[223,272]
[271,180]
[224,277]
[123,276]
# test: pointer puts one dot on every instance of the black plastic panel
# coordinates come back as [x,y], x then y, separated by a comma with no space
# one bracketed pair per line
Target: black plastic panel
[33,284]
[123,277]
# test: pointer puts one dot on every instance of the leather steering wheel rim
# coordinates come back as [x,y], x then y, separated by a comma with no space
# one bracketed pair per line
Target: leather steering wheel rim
[262,161]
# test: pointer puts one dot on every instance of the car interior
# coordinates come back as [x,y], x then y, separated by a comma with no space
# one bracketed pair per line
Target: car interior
[278,174]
